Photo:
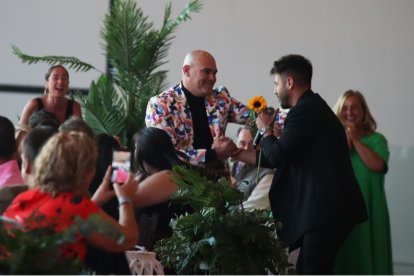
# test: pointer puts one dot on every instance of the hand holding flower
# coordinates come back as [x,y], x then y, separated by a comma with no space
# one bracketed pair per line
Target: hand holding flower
[265,120]
[256,105]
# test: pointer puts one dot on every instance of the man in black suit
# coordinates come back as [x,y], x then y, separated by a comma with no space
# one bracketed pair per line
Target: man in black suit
[314,193]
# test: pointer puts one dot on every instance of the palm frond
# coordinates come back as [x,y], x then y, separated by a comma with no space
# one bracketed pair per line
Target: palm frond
[135,51]
[124,28]
[167,13]
[157,82]
[192,6]
[103,109]
[71,62]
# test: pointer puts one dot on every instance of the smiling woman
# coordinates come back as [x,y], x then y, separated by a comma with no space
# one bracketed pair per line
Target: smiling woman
[54,100]
[368,248]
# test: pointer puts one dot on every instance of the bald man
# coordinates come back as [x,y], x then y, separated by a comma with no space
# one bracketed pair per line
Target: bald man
[195,114]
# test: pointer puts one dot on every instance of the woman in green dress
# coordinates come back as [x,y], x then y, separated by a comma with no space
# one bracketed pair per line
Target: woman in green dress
[367,250]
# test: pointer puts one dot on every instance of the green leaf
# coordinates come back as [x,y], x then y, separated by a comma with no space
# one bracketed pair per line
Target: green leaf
[219,234]
[71,62]
[38,251]
[135,51]
[104,109]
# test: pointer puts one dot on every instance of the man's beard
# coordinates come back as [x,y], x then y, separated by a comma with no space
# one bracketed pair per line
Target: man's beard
[284,101]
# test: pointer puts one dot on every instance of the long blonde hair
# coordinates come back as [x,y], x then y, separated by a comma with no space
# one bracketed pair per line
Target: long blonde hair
[368,122]
[64,162]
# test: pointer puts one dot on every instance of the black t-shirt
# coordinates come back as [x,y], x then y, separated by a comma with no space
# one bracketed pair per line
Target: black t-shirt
[202,134]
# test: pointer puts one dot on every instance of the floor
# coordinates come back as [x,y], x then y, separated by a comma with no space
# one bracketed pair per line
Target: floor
[403,269]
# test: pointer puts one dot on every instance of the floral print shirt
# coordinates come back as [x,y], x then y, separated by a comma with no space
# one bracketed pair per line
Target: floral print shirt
[170,111]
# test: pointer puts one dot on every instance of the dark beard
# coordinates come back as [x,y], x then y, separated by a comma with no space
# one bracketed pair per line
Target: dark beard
[284,102]
[285,105]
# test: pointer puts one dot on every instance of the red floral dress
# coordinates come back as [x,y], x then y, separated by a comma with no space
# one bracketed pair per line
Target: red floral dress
[57,212]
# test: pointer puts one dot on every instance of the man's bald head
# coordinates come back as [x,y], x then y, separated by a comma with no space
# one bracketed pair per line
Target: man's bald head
[199,73]
[193,57]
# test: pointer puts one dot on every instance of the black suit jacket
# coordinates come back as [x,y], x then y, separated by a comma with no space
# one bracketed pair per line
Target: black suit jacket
[314,184]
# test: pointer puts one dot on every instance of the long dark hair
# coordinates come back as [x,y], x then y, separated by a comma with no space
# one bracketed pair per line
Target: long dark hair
[153,147]
[105,144]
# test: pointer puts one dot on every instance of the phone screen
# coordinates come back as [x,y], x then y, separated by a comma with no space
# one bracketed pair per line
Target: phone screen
[121,165]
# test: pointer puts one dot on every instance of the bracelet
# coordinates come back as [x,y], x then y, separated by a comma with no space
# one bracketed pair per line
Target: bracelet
[123,201]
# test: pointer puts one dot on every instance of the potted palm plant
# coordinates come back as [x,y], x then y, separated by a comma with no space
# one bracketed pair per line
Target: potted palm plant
[220,237]
[135,50]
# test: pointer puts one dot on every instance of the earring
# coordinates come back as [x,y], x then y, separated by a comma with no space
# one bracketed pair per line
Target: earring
[46,91]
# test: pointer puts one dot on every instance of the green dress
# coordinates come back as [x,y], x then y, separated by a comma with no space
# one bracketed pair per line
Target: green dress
[367,249]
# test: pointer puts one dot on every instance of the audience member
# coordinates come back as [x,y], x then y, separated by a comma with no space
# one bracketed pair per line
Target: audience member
[194,114]
[314,192]
[254,182]
[65,166]
[54,99]
[154,158]
[368,249]
[105,262]
[37,118]
[31,146]
[106,144]
[9,167]
[75,123]
[43,118]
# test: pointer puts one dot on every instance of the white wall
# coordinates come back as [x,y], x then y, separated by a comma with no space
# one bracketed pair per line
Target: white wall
[47,27]
[365,45]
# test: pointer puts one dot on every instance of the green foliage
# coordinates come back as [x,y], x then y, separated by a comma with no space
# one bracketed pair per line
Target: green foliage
[135,50]
[219,236]
[38,251]
[252,121]
[72,62]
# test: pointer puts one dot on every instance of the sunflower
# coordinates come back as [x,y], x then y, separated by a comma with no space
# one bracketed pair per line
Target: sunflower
[257,103]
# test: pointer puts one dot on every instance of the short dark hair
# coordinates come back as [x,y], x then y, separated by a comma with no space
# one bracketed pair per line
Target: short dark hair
[75,123]
[7,139]
[43,117]
[34,141]
[297,66]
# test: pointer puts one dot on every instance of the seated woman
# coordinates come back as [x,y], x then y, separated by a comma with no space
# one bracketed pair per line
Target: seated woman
[64,168]
[105,144]
[154,158]
[41,118]
[9,167]
[75,123]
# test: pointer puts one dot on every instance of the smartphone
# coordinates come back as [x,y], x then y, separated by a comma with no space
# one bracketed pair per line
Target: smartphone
[121,165]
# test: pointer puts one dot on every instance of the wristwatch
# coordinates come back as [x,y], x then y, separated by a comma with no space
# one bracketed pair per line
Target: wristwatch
[123,201]
[263,130]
